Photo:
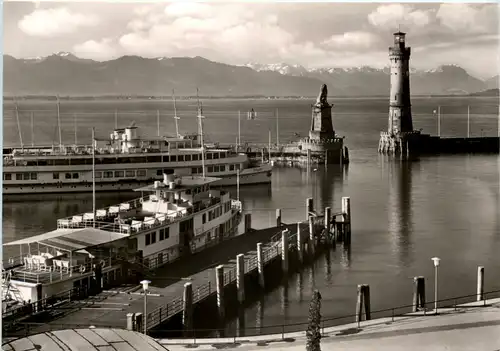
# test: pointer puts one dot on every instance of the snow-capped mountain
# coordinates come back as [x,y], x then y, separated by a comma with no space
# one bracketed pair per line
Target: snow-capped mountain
[155,76]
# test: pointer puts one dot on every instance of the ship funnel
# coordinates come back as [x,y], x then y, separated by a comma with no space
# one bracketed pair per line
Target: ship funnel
[167,178]
[171,185]
[157,184]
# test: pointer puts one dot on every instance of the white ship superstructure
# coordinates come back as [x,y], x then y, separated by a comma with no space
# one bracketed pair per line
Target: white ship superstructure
[177,216]
[125,161]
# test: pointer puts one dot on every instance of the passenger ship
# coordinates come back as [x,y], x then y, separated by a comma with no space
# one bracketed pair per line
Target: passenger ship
[123,162]
[178,216]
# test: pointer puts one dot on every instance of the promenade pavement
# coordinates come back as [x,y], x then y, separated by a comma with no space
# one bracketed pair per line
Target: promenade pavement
[469,327]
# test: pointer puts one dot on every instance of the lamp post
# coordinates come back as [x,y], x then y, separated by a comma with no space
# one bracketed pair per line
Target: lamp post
[145,287]
[436,265]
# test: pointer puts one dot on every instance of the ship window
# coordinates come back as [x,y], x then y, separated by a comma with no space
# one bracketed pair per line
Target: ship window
[7,176]
[98,174]
[108,174]
[67,176]
[173,158]
[216,155]
[187,157]
[194,170]
[231,167]
[195,157]
[159,172]
[237,167]
[180,158]
[222,155]
[153,237]
[129,174]
[141,172]
[210,169]
[19,176]
[33,176]
[26,176]
[209,155]
[162,234]
[75,175]
[148,239]
[165,158]
[204,218]
[167,233]
[154,159]
[55,175]
[180,145]
[119,174]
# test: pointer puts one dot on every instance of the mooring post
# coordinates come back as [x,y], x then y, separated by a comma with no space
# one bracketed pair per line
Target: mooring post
[248,222]
[187,313]
[260,264]
[346,212]
[328,218]
[284,250]
[278,217]
[418,293]
[219,281]
[300,244]
[363,301]
[240,277]
[39,297]
[308,156]
[130,321]
[309,207]
[480,283]
[311,235]
[138,322]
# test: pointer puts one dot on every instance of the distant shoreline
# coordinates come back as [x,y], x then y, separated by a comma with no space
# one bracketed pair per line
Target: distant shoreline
[169,98]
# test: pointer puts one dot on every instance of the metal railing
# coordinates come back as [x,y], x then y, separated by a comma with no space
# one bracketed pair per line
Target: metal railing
[164,312]
[278,331]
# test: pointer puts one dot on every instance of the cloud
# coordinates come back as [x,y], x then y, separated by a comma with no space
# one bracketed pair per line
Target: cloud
[470,18]
[55,22]
[97,50]
[233,30]
[390,16]
[352,40]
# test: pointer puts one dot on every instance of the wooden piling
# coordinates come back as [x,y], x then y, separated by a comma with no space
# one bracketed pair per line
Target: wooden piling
[248,222]
[309,207]
[300,244]
[278,217]
[284,250]
[138,322]
[480,283]
[311,243]
[219,281]
[328,218]
[240,277]
[187,313]
[260,265]
[130,321]
[363,301]
[418,293]
[346,212]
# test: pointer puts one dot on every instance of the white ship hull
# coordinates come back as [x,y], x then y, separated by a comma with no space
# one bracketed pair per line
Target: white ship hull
[249,176]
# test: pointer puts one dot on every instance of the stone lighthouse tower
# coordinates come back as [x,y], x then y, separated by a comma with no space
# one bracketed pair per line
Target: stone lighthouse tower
[400,124]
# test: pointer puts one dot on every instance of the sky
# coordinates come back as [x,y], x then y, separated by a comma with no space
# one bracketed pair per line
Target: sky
[310,34]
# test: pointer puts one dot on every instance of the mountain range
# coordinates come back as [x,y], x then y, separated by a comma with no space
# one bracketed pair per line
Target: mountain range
[65,74]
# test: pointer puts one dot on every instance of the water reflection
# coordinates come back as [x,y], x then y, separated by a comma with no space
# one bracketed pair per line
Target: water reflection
[400,209]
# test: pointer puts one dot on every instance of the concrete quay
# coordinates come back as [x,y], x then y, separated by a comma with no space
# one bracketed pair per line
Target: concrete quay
[467,327]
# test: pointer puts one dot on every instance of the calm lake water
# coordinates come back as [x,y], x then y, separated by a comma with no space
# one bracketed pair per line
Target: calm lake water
[403,214]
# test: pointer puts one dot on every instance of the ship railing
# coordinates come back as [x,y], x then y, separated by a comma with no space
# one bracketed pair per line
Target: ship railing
[58,270]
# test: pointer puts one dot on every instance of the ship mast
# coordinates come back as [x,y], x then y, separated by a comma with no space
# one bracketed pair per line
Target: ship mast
[175,116]
[19,124]
[93,175]
[59,122]
[32,129]
[200,118]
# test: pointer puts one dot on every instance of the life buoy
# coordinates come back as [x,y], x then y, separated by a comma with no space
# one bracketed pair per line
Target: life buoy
[82,269]
[141,200]
[103,263]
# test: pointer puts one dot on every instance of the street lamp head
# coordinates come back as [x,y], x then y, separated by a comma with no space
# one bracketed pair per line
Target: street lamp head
[145,284]
[436,261]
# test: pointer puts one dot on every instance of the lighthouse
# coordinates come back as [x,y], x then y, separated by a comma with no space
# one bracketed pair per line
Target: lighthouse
[400,120]
[400,124]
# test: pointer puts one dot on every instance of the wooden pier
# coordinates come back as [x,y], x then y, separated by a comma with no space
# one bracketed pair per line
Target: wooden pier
[172,296]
